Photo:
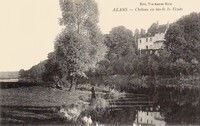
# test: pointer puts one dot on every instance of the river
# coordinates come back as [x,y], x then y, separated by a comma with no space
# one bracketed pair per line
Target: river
[153,107]
[158,107]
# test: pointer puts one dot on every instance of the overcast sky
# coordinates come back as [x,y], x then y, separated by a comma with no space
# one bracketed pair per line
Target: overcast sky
[28,27]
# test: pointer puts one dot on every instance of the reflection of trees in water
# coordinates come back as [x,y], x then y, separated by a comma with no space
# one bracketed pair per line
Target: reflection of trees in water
[179,106]
[176,105]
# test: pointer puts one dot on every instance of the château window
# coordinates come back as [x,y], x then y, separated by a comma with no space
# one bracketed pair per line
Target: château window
[146,47]
[146,39]
[150,39]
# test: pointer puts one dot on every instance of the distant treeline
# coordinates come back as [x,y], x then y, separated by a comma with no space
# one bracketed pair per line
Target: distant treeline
[34,74]
[9,75]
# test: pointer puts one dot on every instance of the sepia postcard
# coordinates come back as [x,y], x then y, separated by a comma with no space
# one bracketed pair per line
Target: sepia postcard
[100,62]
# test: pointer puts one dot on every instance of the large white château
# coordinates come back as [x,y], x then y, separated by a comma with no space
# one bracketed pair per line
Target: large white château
[153,42]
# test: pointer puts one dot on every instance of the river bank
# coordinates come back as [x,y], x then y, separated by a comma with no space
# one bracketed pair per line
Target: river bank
[131,82]
[50,106]
[47,104]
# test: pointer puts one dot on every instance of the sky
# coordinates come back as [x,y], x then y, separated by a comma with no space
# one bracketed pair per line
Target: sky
[28,28]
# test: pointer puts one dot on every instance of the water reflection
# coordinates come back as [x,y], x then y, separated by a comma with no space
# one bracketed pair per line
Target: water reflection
[158,107]
[149,117]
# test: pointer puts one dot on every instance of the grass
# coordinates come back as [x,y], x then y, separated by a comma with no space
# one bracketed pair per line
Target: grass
[43,104]
[41,96]
[38,104]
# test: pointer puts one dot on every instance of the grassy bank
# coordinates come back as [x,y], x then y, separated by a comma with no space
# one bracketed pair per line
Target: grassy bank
[37,104]
[41,96]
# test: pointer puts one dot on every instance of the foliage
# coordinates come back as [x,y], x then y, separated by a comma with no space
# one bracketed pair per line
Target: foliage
[99,103]
[120,42]
[80,49]
[53,72]
[79,46]
[179,58]
[82,18]
[121,47]
[183,44]
[34,73]
[70,58]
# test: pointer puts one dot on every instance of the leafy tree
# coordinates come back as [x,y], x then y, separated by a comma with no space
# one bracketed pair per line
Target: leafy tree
[53,71]
[123,66]
[164,62]
[120,42]
[21,73]
[121,49]
[102,67]
[34,73]
[72,53]
[153,65]
[183,41]
[80,45]
[81,16]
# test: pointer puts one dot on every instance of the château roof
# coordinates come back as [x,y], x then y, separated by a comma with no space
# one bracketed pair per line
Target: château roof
[159,29]
[162,28]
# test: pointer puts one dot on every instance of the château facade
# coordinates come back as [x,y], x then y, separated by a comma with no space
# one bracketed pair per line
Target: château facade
[152,42]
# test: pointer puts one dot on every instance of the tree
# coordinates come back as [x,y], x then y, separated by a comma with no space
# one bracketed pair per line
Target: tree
[183,40]
[81,16]
[120,42]
[72,53]
[34,73]
[121,50]
[53,71]
[79,46]
[102,67]
[21,73]
[37,71]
